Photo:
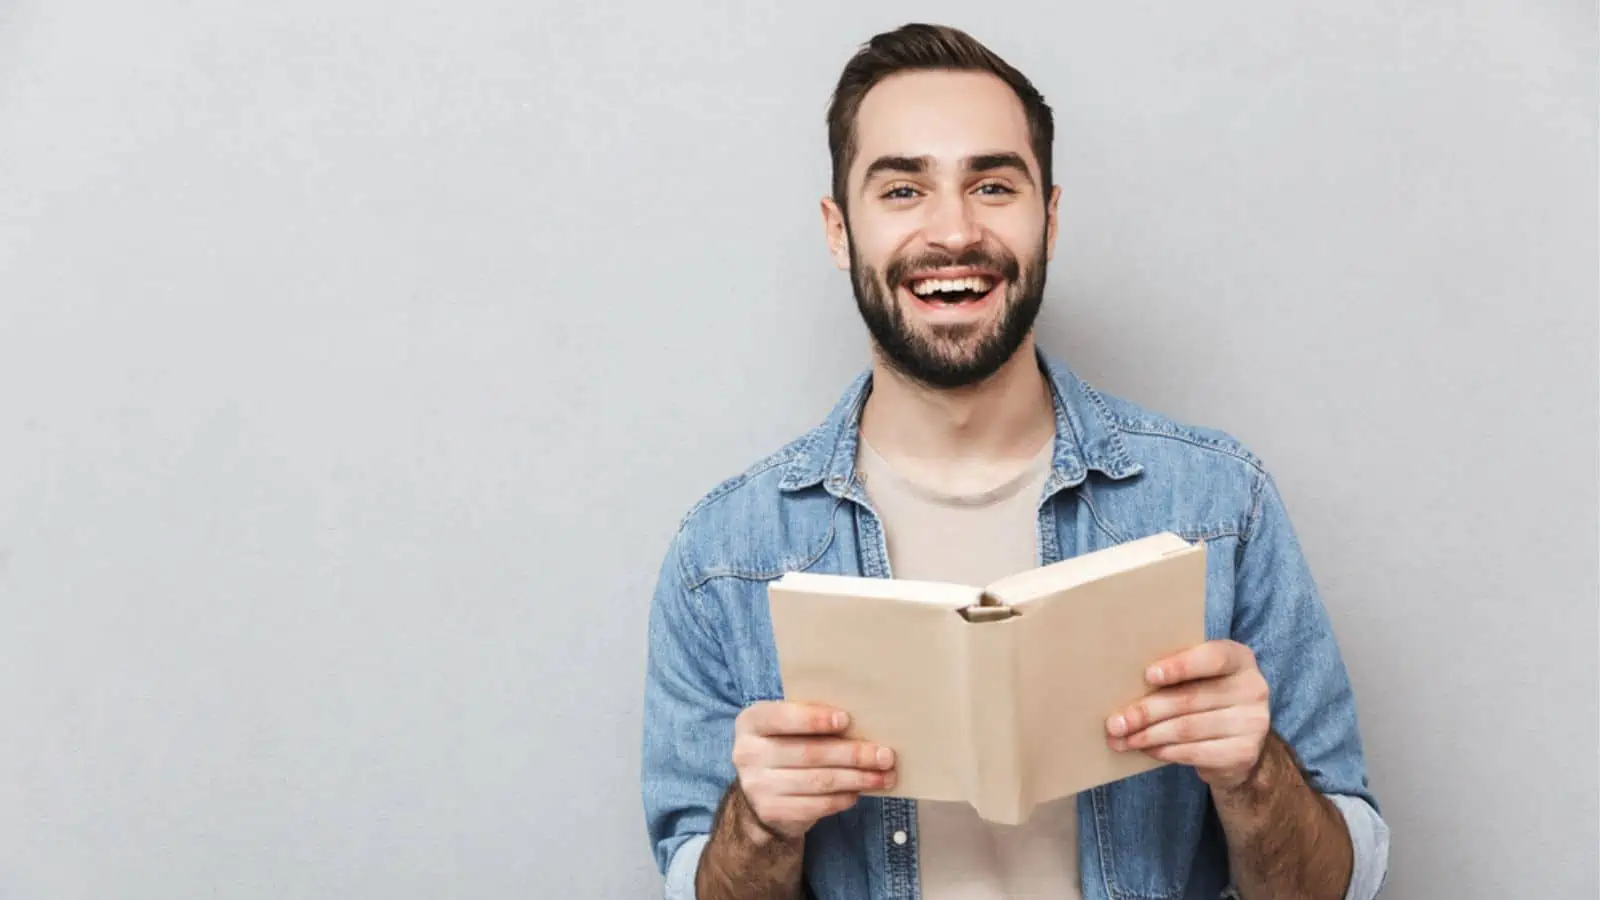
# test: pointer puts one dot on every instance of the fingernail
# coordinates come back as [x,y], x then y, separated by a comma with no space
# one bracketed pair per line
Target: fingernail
[885,757]
[1118,726]
[889,779]
[1155,675]
[1119,745]
[840,720]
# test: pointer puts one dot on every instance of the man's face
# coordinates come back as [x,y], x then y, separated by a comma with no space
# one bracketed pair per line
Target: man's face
[948,230]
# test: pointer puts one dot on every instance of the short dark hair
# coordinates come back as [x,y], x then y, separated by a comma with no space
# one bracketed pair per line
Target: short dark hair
[921,47]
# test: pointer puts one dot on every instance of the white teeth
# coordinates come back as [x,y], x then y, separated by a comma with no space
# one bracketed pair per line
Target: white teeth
[977,283]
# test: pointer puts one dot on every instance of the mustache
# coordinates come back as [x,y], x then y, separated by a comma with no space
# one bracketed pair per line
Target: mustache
[1001,262]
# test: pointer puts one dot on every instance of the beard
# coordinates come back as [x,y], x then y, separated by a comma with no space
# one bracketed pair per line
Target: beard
[951,355]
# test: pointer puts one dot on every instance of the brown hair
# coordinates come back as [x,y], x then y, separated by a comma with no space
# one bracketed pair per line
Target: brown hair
[920,47]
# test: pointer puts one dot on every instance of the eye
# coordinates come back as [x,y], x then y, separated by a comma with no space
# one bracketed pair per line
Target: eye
[900,192]
[994,189]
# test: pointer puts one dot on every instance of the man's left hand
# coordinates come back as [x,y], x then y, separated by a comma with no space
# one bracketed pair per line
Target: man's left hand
[1210,711]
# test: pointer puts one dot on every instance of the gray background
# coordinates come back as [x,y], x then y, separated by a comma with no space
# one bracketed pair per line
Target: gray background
[357,360]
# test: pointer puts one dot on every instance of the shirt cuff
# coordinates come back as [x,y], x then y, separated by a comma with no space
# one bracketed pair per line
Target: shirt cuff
[681,871]
[1369,843]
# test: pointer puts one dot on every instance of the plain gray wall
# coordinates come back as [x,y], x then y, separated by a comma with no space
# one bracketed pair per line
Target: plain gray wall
[357,361]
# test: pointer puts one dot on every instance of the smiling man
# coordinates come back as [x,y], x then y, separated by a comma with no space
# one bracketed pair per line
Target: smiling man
[965,453]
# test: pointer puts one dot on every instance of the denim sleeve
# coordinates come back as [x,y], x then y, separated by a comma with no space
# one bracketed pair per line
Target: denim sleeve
[1279,614]
[690,702]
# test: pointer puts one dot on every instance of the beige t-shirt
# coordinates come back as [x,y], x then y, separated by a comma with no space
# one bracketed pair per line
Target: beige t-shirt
[975,539]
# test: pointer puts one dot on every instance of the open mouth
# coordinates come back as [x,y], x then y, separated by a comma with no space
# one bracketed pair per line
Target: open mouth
[952,292]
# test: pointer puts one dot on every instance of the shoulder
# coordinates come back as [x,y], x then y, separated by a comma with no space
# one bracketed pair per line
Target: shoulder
[748,526]
[1175,440]
[740,496]
[774,516]
[1202,481]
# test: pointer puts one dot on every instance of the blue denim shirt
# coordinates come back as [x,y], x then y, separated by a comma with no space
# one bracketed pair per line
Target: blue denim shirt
[1119,473]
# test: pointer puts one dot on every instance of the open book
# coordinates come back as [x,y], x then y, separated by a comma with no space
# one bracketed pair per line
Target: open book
[997,696]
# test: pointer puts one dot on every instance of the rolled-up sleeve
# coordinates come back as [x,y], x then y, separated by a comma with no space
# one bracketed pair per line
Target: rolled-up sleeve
[681,871]
[1369,843]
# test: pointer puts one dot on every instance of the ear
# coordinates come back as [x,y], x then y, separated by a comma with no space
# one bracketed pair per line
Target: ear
[1051,221]
[837,235]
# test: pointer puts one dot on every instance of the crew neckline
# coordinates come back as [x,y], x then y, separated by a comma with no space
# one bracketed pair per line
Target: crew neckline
[874,465]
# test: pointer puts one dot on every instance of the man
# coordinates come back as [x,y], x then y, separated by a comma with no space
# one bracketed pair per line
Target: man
[965,454]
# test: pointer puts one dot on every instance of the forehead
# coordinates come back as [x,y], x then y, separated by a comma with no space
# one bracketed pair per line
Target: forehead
[943,115]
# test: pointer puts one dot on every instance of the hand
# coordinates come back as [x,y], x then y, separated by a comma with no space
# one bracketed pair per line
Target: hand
[795,769]
[1210,711]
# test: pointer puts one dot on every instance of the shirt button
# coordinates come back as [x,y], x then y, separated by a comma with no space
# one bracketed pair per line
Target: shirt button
[899,837]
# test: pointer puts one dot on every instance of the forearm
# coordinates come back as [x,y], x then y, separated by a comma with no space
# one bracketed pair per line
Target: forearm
[1286,841]
[745,860]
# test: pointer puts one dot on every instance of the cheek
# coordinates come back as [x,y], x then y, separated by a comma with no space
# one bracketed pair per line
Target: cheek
[878,241]
[1021,232]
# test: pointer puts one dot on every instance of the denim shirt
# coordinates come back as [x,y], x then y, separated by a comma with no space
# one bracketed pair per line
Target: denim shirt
[1118,473]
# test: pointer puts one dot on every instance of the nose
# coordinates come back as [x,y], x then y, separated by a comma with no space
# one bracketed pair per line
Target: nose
[950,224]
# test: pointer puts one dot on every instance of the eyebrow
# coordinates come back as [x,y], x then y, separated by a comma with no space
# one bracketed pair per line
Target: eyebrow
[909,165]
[917,165]
[988,162]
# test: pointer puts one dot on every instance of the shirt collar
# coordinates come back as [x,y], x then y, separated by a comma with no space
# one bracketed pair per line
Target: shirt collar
[1087,437]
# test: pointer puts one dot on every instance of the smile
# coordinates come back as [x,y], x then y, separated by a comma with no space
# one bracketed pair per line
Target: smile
[952,289]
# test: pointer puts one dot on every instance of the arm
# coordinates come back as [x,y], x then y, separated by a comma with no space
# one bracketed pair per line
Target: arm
[690,703]
[745,858]
[1211,711]
[1280,615]
[730,790]
[794,769]
[1282,761]
[1284,838]
[742,858]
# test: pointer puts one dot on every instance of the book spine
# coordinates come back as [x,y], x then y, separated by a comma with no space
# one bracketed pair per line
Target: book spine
[995,770]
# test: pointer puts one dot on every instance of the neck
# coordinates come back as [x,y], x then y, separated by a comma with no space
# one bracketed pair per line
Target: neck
[1003,419]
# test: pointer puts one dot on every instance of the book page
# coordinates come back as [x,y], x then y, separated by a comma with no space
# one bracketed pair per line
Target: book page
[1084,658]
[1025,588]
[938,593]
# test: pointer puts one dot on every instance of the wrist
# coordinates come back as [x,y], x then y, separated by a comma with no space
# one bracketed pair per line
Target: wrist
[1254,783]
[756,833]
[745,858]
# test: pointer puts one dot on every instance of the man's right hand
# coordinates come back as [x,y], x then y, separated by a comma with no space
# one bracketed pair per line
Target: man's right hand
[795,768]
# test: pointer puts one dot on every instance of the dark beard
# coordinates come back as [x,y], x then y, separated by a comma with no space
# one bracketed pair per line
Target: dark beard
[951,356]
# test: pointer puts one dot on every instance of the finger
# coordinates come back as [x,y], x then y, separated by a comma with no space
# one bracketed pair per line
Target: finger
[1233,721]
[1214,754]
[1211,659]
[814,782]
[771,718]
[812,753]
[1168,703]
